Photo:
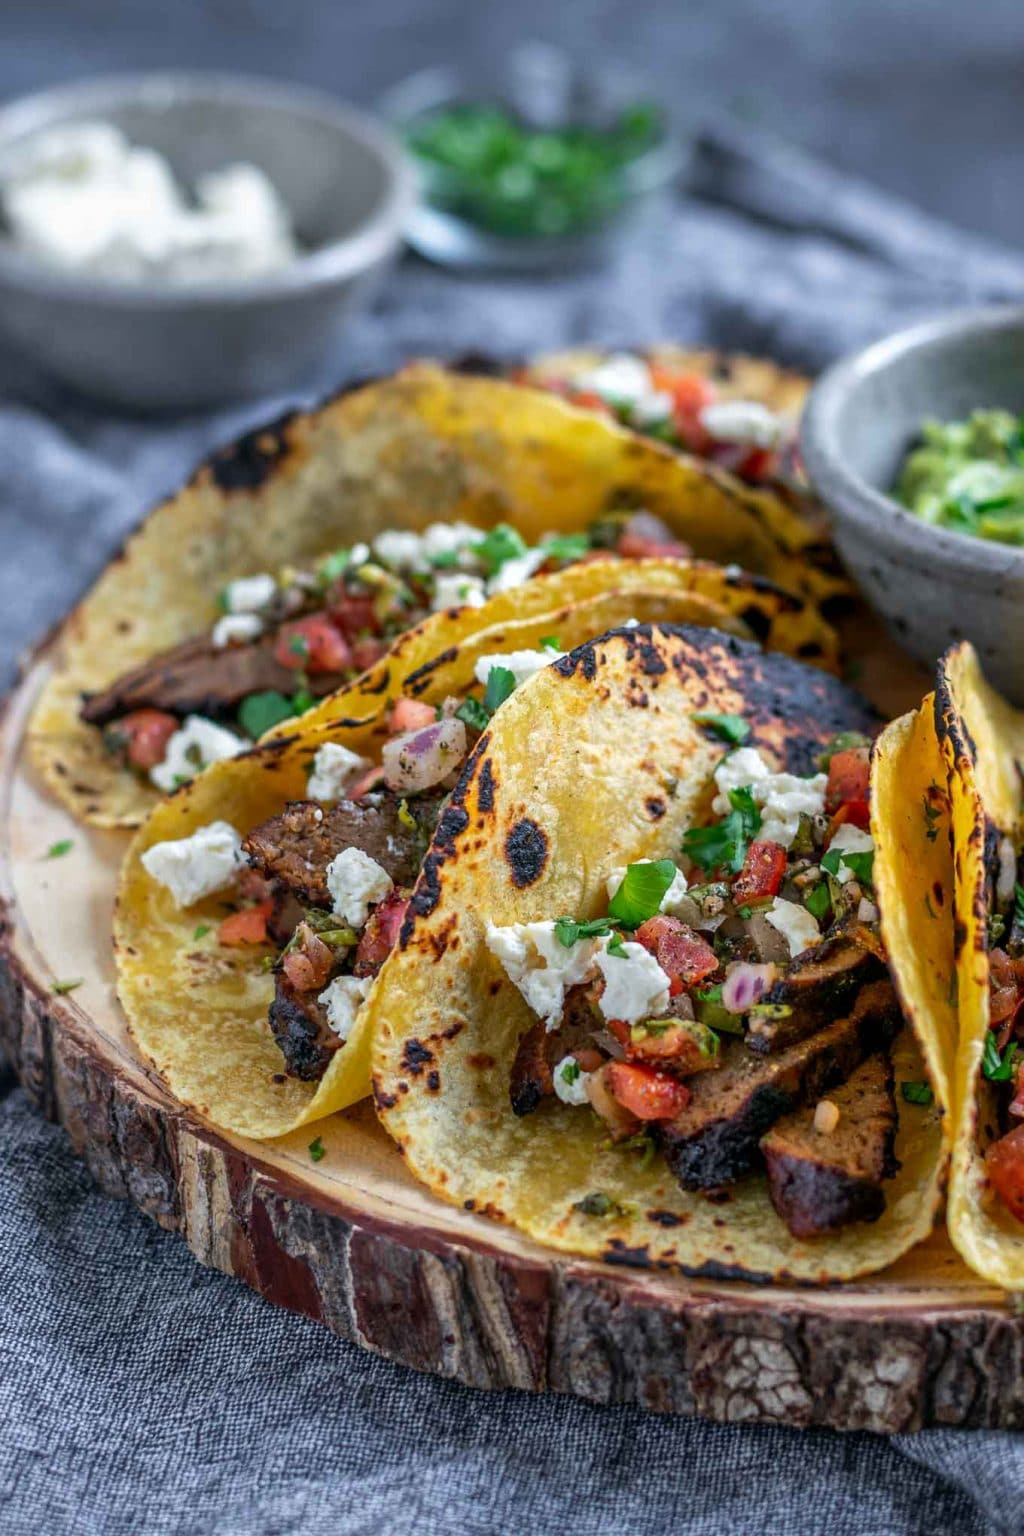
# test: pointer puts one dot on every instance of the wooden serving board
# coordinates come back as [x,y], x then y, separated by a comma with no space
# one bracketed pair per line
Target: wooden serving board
[355,1242]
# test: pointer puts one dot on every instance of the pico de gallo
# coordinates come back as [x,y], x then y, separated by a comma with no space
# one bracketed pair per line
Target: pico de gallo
[1003,1058]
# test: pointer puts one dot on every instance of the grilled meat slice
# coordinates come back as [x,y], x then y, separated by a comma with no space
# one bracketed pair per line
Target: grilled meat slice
[199,678]
[715,1139]
[540,1050]
[818,987]
[296,847]
[300,1027]
[817,1180]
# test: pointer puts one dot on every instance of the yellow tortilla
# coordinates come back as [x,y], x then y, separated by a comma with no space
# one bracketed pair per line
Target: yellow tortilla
[982,740]
[199,1011]
[591,765]
[423,446]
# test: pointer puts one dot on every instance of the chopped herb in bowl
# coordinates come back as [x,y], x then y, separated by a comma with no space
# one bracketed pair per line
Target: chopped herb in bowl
[968,476]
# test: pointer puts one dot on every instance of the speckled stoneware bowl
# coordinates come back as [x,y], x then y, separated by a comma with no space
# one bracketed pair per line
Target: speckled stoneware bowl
[932,587]
[148,346]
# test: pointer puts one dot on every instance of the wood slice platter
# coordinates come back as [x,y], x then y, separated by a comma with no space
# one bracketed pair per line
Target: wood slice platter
[353,1241]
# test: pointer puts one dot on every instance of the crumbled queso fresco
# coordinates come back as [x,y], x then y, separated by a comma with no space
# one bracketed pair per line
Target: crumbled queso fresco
[83,198]
[196,866]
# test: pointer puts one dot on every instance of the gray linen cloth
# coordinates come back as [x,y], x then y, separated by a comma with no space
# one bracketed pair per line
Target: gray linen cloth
[140,1393]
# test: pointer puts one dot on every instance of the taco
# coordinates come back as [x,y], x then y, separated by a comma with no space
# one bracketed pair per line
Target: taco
[293,559]
[982,740]
[258,903]
[640,1007]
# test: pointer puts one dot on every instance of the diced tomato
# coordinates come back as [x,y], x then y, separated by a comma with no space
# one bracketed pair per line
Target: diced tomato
[410,715]
[144,735]
[856,812]
[757,464]
[246,927]
[313,645]
[588,400]
[647,1093]
[381,934]
[848,774]
[690,394]
[1004,993]
[633,546]
[353,613]
[366,781]
[1004,1165]
[367,652]
[682,954]
[762,874]
[310,963]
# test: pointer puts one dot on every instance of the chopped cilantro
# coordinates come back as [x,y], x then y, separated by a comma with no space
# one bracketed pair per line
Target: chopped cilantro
[568,931]
[566,546]
[302,701]
[725,843]
[260,711]
[917,1092]
[932,813]
[501,682]
[333,565]
[317,1150]
[58,850]
[550,643]
[710,994]
[472,713]
[597,1203]
[639,896]
[194,755]
[998,1069]
[201,932]
[298,645]
[732,728]
[818,900]
[615,947]
[444,560]
[1018,904]
[641,1143]
[861,865]
[501,544]
[570,1070]
[62,988]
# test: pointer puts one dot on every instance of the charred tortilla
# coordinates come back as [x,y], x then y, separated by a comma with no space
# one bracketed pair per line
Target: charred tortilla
[555,798]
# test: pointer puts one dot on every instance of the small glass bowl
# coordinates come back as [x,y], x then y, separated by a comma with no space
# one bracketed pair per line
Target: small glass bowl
[542,86]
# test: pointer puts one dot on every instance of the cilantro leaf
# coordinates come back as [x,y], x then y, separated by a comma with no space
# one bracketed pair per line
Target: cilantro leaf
[998,1068]
[302,701]
[917,1092]
[615,947]
[1018,904]
[724,844]
[62,988]
[472,713]
[332,566]
[597,1203]
[501,682]
[444,560]
[260,711]
[317,1150]
[298,645]
[501,544]
[568,931]
[566,546]
[550,643]
[58,850]
[639,896]
[570,1070]
[818,900]
[860,864]
[201,932]
[731,728]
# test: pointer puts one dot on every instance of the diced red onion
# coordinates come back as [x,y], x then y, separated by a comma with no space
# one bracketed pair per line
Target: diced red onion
[867,912]
[420,759]
[745,985]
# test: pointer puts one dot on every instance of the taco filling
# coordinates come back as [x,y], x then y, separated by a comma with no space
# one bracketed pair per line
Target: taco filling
[734,1007]
[284,641]
[1002,1062]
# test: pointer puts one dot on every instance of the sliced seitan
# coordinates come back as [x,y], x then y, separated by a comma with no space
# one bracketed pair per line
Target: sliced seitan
[300,1027]
[296,847]
[819,1180]
[540,1050]
[818,987]
[714,1141]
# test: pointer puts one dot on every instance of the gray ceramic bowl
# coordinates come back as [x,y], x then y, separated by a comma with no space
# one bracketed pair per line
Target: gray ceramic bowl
[932,587]
[148,347]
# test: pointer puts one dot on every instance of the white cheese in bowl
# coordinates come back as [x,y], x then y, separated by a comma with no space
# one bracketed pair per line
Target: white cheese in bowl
[84,199]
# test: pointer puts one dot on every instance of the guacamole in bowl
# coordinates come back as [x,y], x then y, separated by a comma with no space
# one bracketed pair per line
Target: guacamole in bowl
[968,476]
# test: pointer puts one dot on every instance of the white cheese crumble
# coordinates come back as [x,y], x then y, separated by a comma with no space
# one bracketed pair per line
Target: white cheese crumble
[540,966]
[249,593]
[621,379]
[343,999]
[670,902]
[457,589]
[83,197]
[356,882]
[849,839]
[746,422]
[196,866]
[333,769]
[236,629]
[405,550]
[781,797]
[570,1081]
[826,1117]
[197,744]
[797,926]
[512,573]
[635,988]
[522,664]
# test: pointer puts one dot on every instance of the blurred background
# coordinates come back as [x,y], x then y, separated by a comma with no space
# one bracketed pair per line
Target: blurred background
[922,96]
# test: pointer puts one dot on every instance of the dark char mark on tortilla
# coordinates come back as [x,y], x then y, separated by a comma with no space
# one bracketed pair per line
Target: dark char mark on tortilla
[454,821]
[526,852]
[247,463]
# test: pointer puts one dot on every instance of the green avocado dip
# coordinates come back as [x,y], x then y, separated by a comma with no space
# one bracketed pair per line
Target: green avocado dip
[969,476]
